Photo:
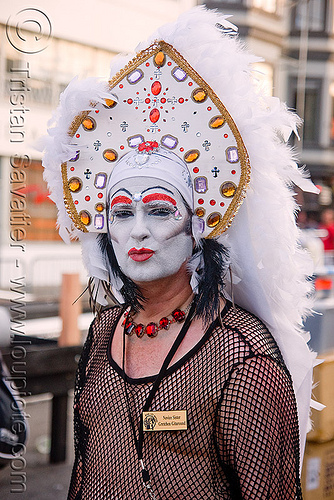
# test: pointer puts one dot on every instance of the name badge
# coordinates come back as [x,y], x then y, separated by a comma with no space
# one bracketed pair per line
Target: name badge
[165,421]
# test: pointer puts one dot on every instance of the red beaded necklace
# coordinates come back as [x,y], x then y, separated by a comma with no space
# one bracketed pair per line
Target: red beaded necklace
[152,329]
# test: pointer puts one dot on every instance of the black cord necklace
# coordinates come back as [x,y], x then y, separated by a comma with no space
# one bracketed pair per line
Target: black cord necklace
[139,442]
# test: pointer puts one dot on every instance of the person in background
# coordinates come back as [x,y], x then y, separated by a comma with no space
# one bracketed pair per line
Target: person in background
[327,224]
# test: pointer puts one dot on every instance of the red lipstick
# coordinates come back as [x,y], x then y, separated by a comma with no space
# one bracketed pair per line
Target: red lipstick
[141,254]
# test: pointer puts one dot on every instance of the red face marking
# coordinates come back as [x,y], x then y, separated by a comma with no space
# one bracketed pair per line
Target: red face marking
[121,199]
[159,196]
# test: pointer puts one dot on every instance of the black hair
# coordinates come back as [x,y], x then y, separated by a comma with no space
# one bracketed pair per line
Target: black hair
[211,278]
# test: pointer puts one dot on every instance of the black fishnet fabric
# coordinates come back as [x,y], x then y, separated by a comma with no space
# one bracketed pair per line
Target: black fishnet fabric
[242,440]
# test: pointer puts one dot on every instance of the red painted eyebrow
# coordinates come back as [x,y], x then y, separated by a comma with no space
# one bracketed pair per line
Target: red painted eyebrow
[121,199]
[158,196]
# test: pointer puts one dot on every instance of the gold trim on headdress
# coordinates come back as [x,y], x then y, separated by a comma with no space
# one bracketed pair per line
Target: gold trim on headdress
[158,96]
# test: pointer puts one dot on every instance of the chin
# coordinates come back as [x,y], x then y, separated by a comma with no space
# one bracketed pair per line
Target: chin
[147,275]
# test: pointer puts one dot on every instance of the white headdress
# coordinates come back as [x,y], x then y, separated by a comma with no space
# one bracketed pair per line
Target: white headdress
[190,90]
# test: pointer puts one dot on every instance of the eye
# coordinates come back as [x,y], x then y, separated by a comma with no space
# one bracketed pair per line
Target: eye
[122,214]
[161,211]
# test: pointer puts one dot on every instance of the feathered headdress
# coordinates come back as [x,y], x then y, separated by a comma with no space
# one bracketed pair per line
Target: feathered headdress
[190,89]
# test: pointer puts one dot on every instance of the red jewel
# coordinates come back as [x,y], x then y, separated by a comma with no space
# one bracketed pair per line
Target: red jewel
[87,198]
[195,170]
[147,100]
[233,172]
[72,169]
[152,330]
[130,101]
[156,88]
[121,86]
[77,135]
[147,146]
[181,149]
[181,100]
[163,100]
[147,64]
[226,136]
[121,147]
[222,204]
[154,115]
[178,315]
[190,84]
[76,202]
[97,111]
[200,201]
[129,328]
[139,330]
[209,108]
[169,63]
[164,323]
[212,202]
[100,195]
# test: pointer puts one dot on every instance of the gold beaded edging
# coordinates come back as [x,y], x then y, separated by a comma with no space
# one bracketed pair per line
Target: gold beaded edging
[68,200]
[140,58]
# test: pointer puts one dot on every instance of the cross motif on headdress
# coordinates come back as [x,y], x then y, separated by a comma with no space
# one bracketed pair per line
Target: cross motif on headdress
[185,126]
[87,173]
[137,101]
[97,145]
[154,128]
[157,73]
[206,145]
[124,126]
[215,171]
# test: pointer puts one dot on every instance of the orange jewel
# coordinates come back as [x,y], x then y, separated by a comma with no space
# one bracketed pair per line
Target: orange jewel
[85,217]
[191,155]
[228,189]
[213,219]
[199,95]
[159,59]
[74,184]
[110,155]
[99,207]
[88,124]
[110,103]
[216,122]
[200,212]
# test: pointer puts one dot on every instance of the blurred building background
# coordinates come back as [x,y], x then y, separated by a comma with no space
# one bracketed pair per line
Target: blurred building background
[41,49]
[295,38]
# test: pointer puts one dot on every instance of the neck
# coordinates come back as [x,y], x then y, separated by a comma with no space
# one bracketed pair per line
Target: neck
[166,294]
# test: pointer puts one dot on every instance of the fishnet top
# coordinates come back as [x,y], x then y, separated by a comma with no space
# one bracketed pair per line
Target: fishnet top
[242,440]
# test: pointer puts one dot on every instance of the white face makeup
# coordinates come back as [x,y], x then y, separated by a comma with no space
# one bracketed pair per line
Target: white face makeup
[148,228]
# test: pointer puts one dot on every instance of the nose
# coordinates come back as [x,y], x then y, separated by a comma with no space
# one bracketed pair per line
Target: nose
[140,230]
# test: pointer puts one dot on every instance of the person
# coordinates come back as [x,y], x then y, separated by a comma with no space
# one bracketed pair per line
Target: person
[196,380]
[327,224]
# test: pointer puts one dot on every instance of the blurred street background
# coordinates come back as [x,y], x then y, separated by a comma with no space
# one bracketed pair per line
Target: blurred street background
[45,481]
[43,47]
